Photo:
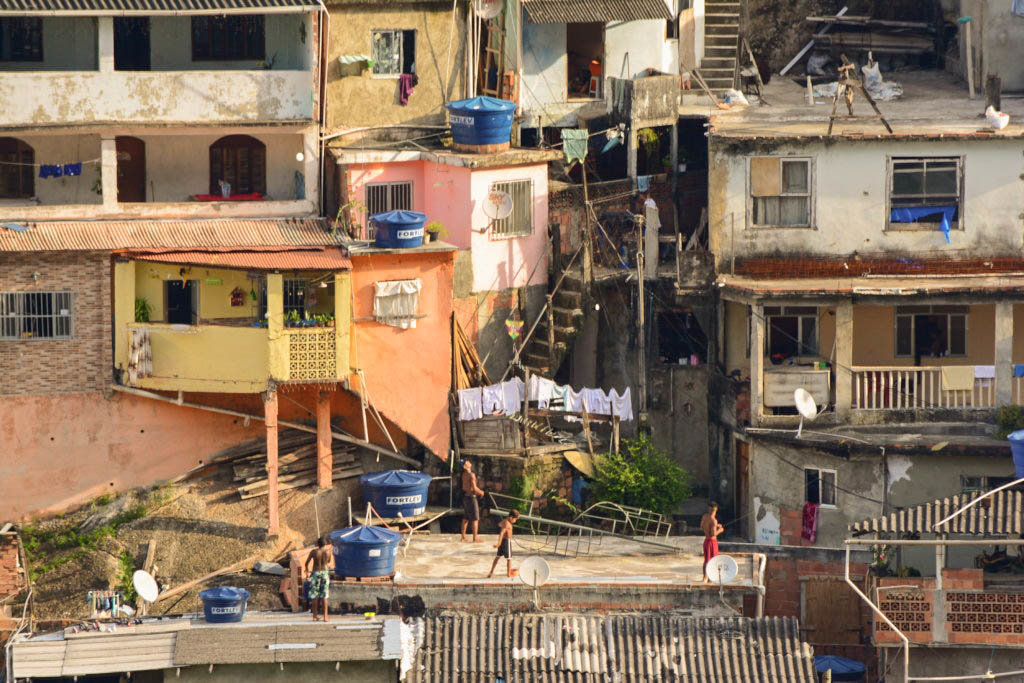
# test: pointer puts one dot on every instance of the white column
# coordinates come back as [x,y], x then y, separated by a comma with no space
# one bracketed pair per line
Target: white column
[108,164]
[311,164]
[757,339]
[105,42]
[1004,353]
[844,359]
[631,171]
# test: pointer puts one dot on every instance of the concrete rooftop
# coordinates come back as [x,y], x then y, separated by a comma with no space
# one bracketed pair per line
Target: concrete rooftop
[933,102]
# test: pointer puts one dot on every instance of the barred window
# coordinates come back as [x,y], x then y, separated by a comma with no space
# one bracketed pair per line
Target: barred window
[294,296]
[520,221]
[383,197]
[35,315]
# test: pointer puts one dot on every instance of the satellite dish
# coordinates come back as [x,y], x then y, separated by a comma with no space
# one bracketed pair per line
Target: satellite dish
[534,571]
[487,9]
[498,205]
[806,406]
[721,569]
[145,586]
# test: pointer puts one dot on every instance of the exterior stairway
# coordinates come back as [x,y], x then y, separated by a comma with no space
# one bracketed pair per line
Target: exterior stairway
[721,32]
[559,323]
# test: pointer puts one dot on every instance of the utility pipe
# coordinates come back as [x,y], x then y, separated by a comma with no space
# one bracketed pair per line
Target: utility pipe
[294,425]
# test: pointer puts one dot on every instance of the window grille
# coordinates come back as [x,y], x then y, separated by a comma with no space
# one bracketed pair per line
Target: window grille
[382,197]
[35,315]
[520,221]
[294,296]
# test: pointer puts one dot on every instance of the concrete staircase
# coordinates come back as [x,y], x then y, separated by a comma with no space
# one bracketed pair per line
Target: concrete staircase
[721,31]
[565,317]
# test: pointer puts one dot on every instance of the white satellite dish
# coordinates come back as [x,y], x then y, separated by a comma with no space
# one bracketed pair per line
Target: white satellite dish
[721,569]
[534,571]
[145,586]
[498,205]
[487,9]
[806,406]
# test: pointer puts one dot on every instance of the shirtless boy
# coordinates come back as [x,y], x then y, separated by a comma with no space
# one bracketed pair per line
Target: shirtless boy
[320,580]
[711,528]
[504,544]
[470,505]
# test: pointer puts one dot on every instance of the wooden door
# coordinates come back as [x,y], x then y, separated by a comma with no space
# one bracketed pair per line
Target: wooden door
[131,170]
[742,487]
[831,612]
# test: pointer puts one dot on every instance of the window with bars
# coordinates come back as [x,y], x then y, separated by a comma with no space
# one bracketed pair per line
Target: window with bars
[17,180]
[393,52]
[35,315]
[780,191]
[924,192]
[241,161]
[228,37]
[520,221]
[382,197]
[295,296]
[820,486]
[21,39]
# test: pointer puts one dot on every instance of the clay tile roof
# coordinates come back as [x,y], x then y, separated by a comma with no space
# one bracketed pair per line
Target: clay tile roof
[997,515]
[154,7]
[164,234]
[603,11]
[624,648]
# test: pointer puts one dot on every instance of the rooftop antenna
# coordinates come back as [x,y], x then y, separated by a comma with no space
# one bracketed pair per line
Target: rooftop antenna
[535,572]
[806,406]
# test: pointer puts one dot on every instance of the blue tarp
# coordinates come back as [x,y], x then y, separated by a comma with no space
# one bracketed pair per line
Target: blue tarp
[912,215]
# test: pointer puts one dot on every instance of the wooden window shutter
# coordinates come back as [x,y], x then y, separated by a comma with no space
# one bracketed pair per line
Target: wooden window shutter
[765,177]
[216,169]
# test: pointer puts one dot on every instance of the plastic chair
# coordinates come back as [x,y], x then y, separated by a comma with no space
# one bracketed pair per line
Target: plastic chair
[595,78]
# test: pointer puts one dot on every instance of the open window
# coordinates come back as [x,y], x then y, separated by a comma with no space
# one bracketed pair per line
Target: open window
[681,340]
[925,193]
[584,49]
[820,486]
[396,302]
[780,192]
[17,180]
[935,331]
[229,38]
[393,52]
[792,331]
[294,296]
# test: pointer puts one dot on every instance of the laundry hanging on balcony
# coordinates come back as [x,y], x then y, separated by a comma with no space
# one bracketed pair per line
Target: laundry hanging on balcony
[914,214]
[140,356]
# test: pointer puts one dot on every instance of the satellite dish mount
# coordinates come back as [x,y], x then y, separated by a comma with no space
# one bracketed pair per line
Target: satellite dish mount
[806,406]
[497,206]
[535,572]
[721,569]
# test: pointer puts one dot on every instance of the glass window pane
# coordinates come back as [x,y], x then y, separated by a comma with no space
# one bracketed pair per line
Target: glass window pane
[907,182]
[941,181]
[794,176]
[766,211]
[904,335]
[828,488]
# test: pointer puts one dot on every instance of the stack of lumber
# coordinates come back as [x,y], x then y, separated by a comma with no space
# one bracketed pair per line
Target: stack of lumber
[467,370]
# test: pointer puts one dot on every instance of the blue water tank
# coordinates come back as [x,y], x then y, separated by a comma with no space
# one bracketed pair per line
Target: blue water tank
[1017,449]
[364,551]
[843,669]
[396,492]
[399,229]
[481,120]
[224,604]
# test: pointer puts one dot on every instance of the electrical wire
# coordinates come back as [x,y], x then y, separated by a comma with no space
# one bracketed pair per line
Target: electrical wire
[835,486]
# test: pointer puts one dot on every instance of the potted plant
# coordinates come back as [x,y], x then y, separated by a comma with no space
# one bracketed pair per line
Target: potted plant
[142,310]
[292,319]
[435,231]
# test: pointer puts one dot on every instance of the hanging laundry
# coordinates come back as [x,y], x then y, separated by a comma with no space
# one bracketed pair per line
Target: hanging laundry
[622,404]
[596,402]
[574,144]
[513,392]
[493,400]
[73,169]
[810,525]
[984,372]
[540,390]
[50,171]
[1018,370]
[652,228]
[470,404]
[406,86]
[1018,8]
[643,183]
[573,401]
[560,396]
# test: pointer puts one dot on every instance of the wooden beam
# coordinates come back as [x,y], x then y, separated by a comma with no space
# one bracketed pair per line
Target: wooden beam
[241,564]
[809,45]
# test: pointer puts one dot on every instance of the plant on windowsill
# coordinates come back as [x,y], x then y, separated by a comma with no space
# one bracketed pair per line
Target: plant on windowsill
[142,310]
[435,231]
[293,319]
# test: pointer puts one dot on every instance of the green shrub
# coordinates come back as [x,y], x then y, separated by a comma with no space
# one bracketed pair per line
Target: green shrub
[642,476]
[1011,418]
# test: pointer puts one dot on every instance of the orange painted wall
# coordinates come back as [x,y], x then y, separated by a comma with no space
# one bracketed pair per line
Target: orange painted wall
[408,372]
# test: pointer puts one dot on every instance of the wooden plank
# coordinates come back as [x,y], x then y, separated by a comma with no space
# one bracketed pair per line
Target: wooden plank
[765,177]
[343,474]
[809,45]
[241,564]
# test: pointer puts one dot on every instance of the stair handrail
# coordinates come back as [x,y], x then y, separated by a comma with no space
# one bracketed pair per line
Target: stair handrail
[529,335]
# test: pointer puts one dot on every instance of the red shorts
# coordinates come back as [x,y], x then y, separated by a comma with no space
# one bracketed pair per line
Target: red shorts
[710,548]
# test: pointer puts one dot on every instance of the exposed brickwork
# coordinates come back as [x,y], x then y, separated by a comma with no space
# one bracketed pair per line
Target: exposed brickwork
[910,609]
[481,149]
[12,574]
[79,364]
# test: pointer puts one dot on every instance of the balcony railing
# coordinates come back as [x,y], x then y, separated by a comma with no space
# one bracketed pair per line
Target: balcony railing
[903,388]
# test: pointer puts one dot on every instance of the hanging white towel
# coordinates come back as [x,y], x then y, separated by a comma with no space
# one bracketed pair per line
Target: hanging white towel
[470,404]
[984,372]
[494,399]
[596,401]
[573,401]
[622,404]
[541,389]
[512,395]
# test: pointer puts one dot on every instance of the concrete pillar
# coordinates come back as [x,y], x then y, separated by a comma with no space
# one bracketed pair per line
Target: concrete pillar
[270,416]
[757,349]
[631,152]
[1004,353]
[324,459]
[124,310]
[108,166]
[844,359]
[276,336]
[105,44]
[311,164]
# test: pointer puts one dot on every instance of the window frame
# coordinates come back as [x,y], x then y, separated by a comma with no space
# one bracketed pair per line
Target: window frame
[835,487]
[22,153]
[918,226]
[390,185]
[401,33]
[495,231]
[19,317]
[31,25]
[800,315]
[810,194]
[931,311]
[233,143]
[214,51]
[294,287]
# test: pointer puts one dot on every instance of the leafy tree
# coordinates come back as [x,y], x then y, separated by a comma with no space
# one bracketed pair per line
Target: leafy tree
[642,476]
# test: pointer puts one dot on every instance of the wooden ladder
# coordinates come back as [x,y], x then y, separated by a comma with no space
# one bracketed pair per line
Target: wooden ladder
[494,58]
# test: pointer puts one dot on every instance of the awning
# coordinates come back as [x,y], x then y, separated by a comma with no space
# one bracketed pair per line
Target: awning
[327,258]
[602,11]
[152,7]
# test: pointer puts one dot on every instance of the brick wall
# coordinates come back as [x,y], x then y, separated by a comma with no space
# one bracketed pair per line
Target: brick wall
[12,575]
[82,363]
[545,471]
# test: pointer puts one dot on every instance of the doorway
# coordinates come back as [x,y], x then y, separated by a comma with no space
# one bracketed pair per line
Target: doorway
[131,43]
[131,170]
[182,301]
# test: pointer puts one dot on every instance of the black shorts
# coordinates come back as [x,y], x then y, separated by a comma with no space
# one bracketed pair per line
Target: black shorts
[505,549]
[471,507]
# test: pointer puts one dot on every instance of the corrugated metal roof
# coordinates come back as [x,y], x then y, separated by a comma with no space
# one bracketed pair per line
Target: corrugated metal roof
[151,7]
[96,654]
[167,234]
[570,11]
[625,649]
[326,258]
[333,642]
[997,515]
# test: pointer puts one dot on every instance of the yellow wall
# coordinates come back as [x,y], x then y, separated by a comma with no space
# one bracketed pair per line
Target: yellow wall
[214,300]
[874,337]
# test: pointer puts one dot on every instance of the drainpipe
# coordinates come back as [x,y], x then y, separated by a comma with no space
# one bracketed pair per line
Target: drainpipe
[760,584]
[880,613]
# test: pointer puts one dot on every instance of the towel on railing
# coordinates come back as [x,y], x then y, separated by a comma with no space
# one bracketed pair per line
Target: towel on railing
[957,377]
[984,372]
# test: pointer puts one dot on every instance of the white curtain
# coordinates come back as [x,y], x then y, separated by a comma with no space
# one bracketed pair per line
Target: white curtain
[395,302]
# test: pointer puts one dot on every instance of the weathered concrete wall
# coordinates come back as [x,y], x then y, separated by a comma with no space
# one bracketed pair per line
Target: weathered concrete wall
[483,315]
[849,184]
[379,671]
[996,44]
[632,47]
[51,149]
[678,413]
[777,494]
[367,100]
[288,45]
[69,44]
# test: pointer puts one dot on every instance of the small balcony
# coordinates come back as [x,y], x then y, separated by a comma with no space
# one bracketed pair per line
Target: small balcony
[186,327]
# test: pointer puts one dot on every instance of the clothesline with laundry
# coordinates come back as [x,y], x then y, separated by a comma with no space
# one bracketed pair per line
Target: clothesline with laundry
[77,164]
[507,398]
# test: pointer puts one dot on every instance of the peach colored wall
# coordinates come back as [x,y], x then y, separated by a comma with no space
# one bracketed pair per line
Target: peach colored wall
[450,201]
[408,372]
[66,448]
[364,174]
